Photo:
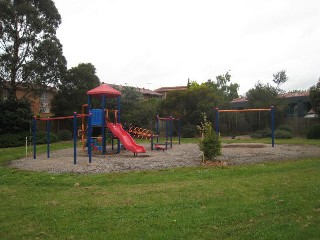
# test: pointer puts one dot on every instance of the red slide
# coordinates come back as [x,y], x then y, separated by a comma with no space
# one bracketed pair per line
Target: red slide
[125,138]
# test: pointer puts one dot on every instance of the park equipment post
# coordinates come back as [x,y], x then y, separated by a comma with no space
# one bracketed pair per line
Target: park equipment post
[157,126]
[75,138]
[103,127]
[118,103]
[272,125]
[48,138]
[271,109]
[217,121]
[89,129]
[34,136]
[171,131]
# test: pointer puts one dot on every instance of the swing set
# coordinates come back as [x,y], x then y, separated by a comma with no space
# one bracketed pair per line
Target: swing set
[271,109]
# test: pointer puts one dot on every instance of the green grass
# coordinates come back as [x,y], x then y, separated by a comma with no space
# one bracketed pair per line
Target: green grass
[259,201]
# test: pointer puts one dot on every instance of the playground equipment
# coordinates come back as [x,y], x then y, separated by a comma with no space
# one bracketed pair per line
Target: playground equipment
[271,109]
[139,132]
[169,127]
[95,118]
[48,126]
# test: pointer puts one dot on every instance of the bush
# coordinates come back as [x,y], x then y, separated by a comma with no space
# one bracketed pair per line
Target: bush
[189,131]
[8,140]
[286,128]
[65,135]
[41,137]
[210,145]
[15,116]
[256,135]
[282,134]
[314,132]
[264,133]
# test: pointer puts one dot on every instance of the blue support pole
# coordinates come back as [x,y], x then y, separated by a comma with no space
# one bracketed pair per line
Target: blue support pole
[48,138]
[170,131]
[167,129]
[74,138]
[34,137]
[217,121]
[89,129]
[272,125]
[103,127]
[179,131]
[157,126]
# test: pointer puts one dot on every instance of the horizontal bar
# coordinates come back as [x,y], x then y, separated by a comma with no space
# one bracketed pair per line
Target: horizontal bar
[246,110]
[61,118]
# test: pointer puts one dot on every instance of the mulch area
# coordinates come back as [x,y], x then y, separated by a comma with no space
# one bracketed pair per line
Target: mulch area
[183,155]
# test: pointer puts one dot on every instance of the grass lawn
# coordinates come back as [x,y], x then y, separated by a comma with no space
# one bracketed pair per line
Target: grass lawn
[259,201]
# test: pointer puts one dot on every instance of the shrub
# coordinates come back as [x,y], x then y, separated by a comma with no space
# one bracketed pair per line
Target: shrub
[8,140]
[210,144]
[65,135]
[282,134]
[189,131]
[264,133]
[286,128]
[314,132]
[256,135]
[41,137]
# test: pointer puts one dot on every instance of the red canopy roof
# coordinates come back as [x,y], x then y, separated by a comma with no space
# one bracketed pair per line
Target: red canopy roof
[104,90]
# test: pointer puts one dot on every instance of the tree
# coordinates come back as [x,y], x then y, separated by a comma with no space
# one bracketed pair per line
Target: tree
[263,96]
[30,53]
[315,97]
[72,93]
[280,78]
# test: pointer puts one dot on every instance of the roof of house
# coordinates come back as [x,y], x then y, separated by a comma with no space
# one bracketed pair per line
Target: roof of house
[144,91]
[104,90]
[283,95]
[168,89]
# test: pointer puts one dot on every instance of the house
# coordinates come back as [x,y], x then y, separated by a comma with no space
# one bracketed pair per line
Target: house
[165,90]
[40,105]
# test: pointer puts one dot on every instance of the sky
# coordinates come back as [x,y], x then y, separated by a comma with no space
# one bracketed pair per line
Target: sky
[162,43]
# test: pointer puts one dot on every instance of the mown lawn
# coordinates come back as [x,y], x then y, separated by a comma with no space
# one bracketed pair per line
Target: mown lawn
[260,201]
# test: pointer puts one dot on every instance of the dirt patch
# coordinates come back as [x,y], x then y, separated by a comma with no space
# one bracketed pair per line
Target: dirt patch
[179,156]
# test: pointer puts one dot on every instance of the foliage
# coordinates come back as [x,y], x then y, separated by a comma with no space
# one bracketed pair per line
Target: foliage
[41,137]
[314,132]
[210,143]
[264,133]
[282,134]
[30,53]
[314,95]
[65,135]
[72,93]
[8,140]
[280,78]
[15,115]
[264,96]
[287,128]
[200,98]
[189,131]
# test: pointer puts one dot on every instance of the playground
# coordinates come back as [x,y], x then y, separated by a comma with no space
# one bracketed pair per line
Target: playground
[184,155]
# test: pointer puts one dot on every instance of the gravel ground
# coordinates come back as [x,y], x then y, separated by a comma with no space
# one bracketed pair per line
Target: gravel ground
[179,156]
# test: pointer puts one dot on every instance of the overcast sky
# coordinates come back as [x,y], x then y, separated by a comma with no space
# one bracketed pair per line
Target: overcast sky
[159,43]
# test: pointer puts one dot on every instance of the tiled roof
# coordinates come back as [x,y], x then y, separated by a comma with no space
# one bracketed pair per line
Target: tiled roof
[168,89]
